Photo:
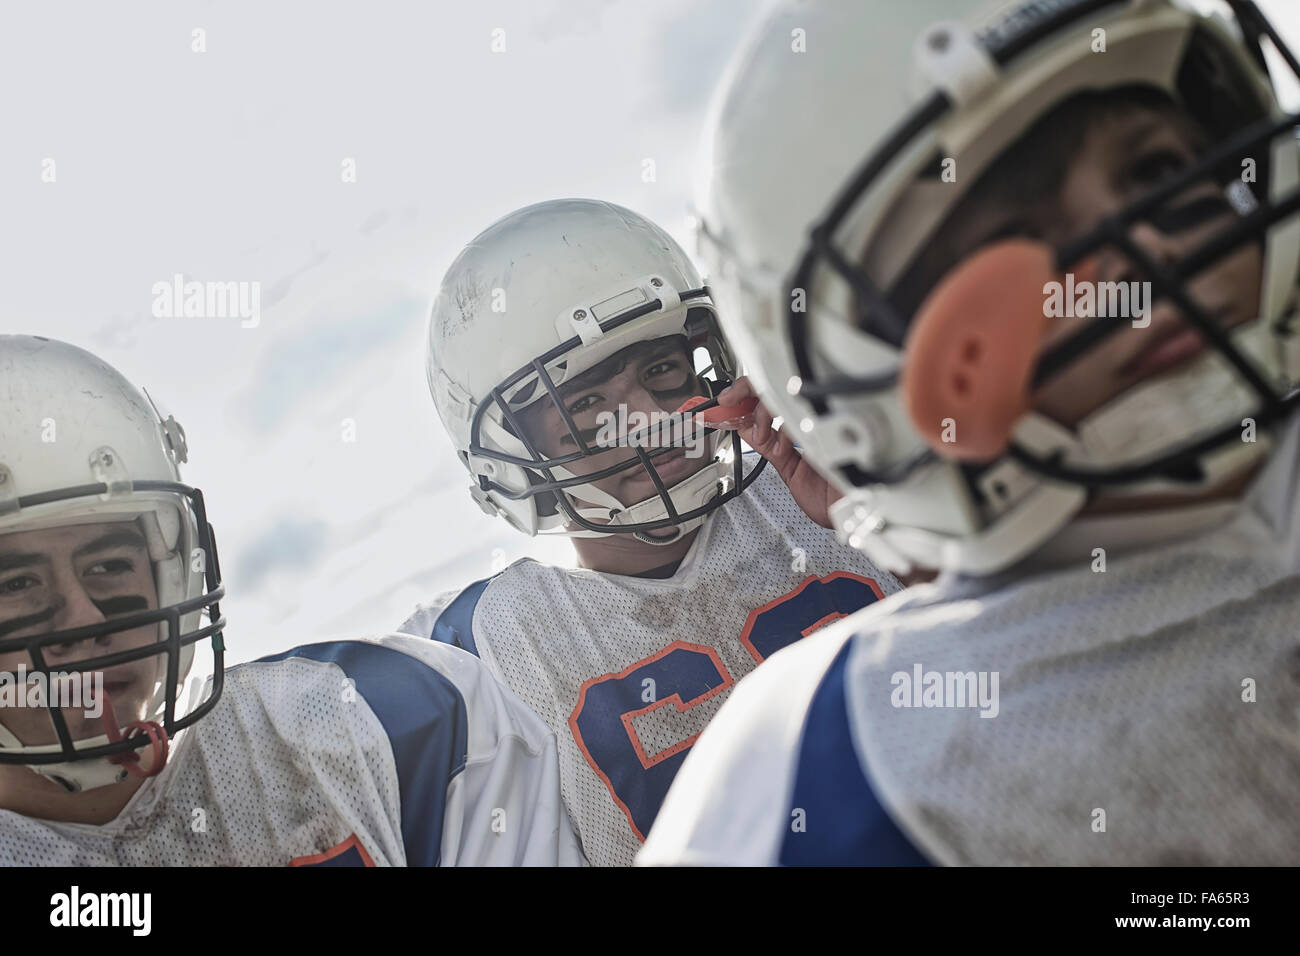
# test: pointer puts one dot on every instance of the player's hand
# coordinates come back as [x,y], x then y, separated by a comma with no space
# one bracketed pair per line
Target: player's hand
[813,493]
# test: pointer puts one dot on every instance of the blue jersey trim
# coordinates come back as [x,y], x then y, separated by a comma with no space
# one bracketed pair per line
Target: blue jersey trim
[455,625]
[846,824]
[349,857]
[424,715]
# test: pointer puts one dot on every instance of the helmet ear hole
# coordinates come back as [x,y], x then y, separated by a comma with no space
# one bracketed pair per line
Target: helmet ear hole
[708,346]
[701,359]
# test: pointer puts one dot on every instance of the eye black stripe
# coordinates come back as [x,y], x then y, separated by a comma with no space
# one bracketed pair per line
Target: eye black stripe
[18,623]
[122,605]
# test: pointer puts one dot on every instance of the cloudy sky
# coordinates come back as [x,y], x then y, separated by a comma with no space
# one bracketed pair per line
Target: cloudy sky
[226,165]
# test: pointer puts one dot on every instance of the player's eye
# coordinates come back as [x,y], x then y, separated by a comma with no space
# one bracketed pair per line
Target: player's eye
[667,375]
[1157,165]
[111,566]
[665,367]
[18,584]
[584,403]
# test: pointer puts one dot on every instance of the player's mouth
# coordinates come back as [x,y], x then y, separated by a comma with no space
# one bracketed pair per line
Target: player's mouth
[1171,342]
[120,691]
[117,688]
[672,467]
[122,686]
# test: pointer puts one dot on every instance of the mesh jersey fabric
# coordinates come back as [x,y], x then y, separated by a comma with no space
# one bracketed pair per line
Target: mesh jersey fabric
[1148,713]
[627,671]
[295,764]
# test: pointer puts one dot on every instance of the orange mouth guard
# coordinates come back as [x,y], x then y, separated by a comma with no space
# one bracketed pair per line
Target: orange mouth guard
[969,359]
[130,760]
[726,416]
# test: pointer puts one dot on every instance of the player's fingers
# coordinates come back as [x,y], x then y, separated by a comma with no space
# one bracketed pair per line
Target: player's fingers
[784,448]
[721,415]
[762,425]
[736,404]
[737,392]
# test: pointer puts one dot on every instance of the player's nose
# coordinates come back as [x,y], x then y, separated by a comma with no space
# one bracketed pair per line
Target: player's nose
[641,400]
[1160,247]
[77,610]
[1116,266]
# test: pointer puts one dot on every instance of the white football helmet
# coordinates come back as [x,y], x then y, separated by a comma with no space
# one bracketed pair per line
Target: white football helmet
[822,180]
[537,298]
[78,445]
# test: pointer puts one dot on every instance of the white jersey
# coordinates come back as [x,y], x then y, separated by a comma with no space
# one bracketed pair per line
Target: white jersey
[628,670]
[1147,713]
[382,752]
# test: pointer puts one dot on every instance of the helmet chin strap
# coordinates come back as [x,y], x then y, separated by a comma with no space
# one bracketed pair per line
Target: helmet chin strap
[645,537]
[691,493]
[694,492]
[74,776]
[862,520]
[1169,410]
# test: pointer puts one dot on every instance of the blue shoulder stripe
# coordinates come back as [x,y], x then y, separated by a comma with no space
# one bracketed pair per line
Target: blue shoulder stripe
[846,824]
[424,715]
[455,625]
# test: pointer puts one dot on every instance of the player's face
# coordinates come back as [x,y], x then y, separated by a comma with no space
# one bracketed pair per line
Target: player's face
[1121,157]
[61,578]
[648,378]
